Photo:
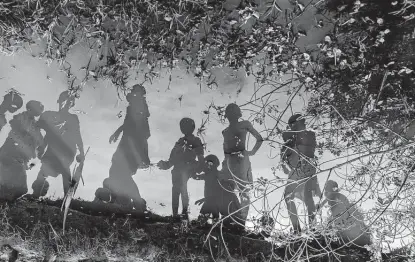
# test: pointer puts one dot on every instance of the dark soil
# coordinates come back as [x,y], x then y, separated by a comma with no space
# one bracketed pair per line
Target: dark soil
[103,227]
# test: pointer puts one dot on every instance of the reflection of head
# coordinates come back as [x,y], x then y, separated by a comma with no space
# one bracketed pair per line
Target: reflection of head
[137,91]
[106,183]
[66,100]
[331,186]
[212,161]
[103,194]
[35,108]
[233,111]
[12,101]
[296,121]
[187,126]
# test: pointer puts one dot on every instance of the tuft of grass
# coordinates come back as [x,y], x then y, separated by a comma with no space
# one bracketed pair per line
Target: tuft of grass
[34,229]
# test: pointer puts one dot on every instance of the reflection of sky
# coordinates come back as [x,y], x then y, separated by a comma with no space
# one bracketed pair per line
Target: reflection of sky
[97,111]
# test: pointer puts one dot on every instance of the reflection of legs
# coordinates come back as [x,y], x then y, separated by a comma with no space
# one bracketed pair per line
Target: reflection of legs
[175,199]
[292,209]
[13,180]
[245,203]
[231,207]
[311,186]
[240,167]
[134,193]
[308,200]
[175,194]
[179,179]
[185,197]
[41,186]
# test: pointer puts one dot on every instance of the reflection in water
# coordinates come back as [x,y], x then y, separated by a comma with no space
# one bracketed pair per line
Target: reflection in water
[57,151]
[131,153]
[20,146]
[299,163]
[237,165]
[62,139]
[183,160]
[345,216]
[219,197]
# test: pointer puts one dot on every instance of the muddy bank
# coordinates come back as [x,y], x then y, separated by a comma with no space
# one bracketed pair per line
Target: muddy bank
[110,233]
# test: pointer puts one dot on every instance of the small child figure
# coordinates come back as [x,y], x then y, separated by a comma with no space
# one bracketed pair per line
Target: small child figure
[20,146]
[219,196]
[345,217]
[12,102]
[183,159]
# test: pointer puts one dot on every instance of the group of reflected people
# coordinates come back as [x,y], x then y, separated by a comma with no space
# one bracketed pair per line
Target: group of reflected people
[226,190]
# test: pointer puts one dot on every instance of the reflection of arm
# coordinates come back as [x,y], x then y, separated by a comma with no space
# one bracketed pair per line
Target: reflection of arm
[3,121]
[41,124]
[78,136]
[14,122]
[199,151]
[343,200]
[126,119]
[146,112]
[258,137]
[3,108]
[119,130]
[169,163]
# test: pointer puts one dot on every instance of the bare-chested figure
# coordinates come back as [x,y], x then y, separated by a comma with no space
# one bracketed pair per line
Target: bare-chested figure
[237,164]
[62,139]
[11,103]
[299,163]
[20,146]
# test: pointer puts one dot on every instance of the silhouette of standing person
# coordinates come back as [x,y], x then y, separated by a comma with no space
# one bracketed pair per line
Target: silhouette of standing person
[20,146]
[237,164]
[12,102]
[62,139]
[132,151]
[299,163]
[183,160]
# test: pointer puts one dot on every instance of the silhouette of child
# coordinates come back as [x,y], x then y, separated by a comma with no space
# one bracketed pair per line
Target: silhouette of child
[183,160]
[12,102]
[20,146]
[237,165]
[345,217]
[219,197]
